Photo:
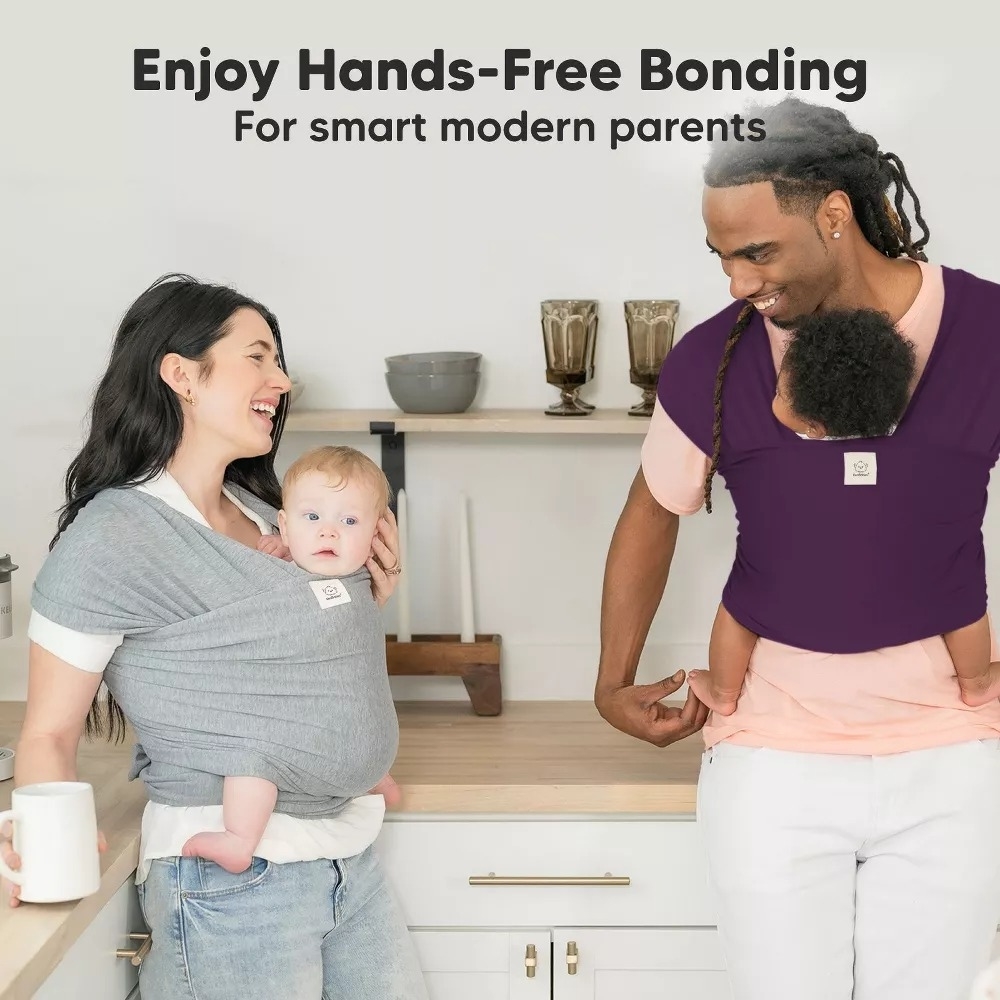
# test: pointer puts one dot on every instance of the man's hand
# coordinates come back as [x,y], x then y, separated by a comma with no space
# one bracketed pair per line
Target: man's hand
[635,709]
[272,545]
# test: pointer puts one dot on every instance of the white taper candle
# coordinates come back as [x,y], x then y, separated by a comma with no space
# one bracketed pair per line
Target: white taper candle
[465,570]
[403,633]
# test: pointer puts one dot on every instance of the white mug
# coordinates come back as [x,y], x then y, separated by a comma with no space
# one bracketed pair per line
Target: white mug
[55,834]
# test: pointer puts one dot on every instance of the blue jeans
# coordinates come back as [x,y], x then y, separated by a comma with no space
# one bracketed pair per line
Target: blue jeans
[314,930]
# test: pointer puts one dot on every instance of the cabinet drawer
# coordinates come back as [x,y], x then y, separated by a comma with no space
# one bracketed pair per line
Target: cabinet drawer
[429,864]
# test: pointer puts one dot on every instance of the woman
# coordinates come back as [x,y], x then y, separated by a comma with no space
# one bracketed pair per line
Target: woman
[166,538]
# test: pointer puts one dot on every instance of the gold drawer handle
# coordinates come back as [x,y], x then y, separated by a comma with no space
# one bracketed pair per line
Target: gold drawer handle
[136,955]
[530,961]
[572,958]
[494,879]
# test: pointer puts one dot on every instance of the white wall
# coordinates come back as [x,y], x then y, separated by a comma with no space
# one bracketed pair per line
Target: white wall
[367,249]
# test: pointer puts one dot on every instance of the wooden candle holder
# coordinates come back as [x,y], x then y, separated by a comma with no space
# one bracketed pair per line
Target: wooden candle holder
[477,663]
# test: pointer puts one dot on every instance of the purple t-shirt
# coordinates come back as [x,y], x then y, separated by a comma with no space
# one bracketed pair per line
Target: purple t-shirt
[849,546]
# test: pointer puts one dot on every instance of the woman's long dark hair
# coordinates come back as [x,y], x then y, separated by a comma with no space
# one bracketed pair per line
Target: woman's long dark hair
[135,420]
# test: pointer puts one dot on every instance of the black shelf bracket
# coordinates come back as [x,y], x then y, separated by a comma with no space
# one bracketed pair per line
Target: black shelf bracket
[393,456]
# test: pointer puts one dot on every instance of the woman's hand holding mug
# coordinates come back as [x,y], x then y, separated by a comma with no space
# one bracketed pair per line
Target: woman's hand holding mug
[8,890]
[49,844]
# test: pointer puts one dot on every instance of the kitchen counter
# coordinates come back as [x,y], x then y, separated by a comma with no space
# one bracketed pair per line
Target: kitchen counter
[33,938]
[537,757]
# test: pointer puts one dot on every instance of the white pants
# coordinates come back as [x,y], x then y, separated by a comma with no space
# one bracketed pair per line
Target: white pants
[853,878]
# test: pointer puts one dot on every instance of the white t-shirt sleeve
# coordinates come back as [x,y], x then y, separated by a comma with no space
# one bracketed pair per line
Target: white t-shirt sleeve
[86,650]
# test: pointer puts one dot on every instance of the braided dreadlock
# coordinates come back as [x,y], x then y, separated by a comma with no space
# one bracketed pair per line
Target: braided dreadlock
[742,322]
[808,152]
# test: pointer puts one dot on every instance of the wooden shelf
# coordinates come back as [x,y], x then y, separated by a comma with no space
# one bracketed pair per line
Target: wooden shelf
[524,421]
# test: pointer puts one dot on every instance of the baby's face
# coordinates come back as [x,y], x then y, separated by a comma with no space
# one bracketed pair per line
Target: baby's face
[329,526]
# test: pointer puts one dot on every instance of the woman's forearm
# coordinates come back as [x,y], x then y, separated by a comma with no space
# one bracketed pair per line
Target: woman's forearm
[44,758]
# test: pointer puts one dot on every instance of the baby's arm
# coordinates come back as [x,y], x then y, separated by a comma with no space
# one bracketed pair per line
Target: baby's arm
[728,659]
[978,678]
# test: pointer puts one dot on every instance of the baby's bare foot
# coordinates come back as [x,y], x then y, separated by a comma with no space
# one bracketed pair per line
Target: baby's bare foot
[225,849]
[981,690]
[720,702]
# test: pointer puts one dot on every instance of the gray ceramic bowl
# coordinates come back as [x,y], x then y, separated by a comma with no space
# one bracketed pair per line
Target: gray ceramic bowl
[434,362]
[436,392]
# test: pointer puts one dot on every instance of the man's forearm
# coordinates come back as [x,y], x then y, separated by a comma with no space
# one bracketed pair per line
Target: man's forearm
[635,576]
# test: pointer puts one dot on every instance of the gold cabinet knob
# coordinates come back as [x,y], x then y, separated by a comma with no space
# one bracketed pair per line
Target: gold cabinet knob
[572,958]
[530,961]
[136,955]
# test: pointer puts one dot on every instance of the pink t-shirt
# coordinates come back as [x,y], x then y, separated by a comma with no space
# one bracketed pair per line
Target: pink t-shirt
[885,701]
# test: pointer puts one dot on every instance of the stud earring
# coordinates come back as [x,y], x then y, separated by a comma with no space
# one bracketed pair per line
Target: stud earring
[836,236]
[189,399]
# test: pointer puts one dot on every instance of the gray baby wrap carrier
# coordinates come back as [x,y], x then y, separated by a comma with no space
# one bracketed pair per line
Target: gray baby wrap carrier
[234,662]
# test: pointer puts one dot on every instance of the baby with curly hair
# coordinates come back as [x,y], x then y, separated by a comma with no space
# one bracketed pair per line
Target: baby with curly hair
[845,374]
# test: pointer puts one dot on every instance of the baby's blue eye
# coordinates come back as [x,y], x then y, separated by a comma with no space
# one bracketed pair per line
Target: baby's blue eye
[350,520]
[312,517]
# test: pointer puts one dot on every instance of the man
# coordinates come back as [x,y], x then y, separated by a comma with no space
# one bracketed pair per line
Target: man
[832,800]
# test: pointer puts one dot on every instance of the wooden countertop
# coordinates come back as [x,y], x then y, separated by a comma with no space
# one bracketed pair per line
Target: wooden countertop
[537,757]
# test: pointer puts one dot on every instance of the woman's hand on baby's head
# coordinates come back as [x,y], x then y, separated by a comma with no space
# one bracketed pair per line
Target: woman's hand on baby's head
[272,545]
[385,545]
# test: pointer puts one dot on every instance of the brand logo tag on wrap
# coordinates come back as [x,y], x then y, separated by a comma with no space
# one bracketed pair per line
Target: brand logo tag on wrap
[860,468]
[330,592]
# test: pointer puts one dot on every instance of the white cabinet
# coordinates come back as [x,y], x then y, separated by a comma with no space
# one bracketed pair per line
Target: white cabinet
[638,963]
[567,873]
[486,965]
[91,969]
[608,964]
[627,899]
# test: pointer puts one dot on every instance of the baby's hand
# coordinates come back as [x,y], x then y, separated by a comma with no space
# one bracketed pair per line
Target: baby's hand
[389,790]
[272,545]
